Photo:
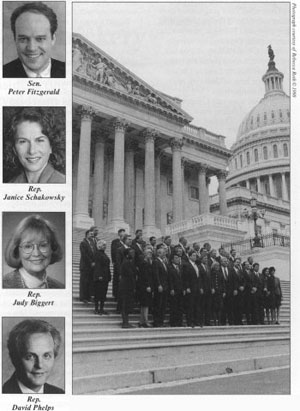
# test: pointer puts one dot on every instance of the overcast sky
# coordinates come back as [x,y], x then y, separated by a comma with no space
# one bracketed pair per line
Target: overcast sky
[211,55]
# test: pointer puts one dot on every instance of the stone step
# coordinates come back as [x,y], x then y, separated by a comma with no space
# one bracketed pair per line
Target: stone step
[110,383]
[134,357]
[88,339]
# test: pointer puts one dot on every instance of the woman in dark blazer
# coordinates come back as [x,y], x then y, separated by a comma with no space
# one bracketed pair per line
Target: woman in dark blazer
[101,276]
[127,285]
[145,279]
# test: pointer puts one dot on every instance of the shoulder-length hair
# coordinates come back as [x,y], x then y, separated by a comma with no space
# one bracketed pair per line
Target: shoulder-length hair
[20,333]
[52,123]
[32,223]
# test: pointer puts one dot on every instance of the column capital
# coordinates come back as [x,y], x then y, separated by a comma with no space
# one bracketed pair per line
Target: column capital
[176,144]
[150,134]
[86,112]
[202,168]
[120,124]
[222,175]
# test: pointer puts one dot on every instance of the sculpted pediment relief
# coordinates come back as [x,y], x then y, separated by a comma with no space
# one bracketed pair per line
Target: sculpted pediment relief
[93,64]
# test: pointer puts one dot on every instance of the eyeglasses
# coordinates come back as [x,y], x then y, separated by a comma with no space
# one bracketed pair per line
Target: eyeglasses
[28,248]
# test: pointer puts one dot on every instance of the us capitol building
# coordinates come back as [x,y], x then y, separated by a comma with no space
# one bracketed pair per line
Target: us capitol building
[139,162]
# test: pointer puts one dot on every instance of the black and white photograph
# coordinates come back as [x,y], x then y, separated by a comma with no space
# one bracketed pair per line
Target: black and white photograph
[34,39]
[33,355]
[33,252]
[34,145]
[181,189]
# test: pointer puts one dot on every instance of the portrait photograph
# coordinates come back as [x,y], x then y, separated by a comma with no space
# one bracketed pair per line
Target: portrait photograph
[34,39]
[33,251]
[33,355]
[34,145]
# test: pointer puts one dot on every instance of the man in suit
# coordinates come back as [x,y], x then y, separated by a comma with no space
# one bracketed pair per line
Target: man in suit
[230,281]
[161,287]
[205,298]
[115,244]
[176,291]
[86,266]
[169,248]
[33,346]
[34,27]
[257,309]
[193,288]
[138,235]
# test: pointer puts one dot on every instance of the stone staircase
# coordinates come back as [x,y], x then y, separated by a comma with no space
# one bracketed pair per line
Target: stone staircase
[107,358]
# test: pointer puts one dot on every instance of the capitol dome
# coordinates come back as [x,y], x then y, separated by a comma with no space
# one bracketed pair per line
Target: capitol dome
[261,154]
[273,108]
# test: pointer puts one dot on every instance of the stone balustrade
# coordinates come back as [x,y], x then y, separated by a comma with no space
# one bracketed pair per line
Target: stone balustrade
[203,220]
[203,134]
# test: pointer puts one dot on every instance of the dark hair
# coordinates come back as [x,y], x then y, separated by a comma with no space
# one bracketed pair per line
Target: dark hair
[52,123]
[40,225]
[272,269]
[255,264]
[19,334]
[264,270]
[151,238]
[36,7]
[192,251]
[86,233]
[121,230]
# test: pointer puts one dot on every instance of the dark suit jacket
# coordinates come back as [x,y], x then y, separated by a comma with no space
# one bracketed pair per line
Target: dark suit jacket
[15,69]
[115,244]
[190,279]
[87,256]
[175,278]
[102,267]
[205,278]
[11,386]
[14,280]
[160,275]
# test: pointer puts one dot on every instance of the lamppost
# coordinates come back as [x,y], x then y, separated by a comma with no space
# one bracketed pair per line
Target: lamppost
[254,215]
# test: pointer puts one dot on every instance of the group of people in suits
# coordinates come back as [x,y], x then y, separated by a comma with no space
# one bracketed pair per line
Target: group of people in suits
[199,286]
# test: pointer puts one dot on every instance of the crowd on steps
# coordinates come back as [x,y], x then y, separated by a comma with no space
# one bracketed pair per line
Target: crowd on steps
[198,286]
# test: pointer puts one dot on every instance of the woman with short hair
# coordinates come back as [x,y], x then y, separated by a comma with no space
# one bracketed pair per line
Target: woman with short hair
[32,247]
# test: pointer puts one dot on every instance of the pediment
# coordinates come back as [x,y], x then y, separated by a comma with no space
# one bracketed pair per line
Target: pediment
[91,64]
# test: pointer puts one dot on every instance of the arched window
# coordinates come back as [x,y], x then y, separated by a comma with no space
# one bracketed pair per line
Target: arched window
[255,155]
[257,119]
[285,150]
[241,160]
[248,157]
[265,151]
[275,151]
[236,165]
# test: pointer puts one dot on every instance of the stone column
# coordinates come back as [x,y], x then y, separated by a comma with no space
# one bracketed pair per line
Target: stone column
[99,177]
[158,156]
[183,165]
[81,215]
[118,178]
[149,178]
[202,168]
[176,146]
[129,194]
[207,210]
[222,192]
[248,184]
[258,185]
[284,190]
[110,183]
[271,186]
